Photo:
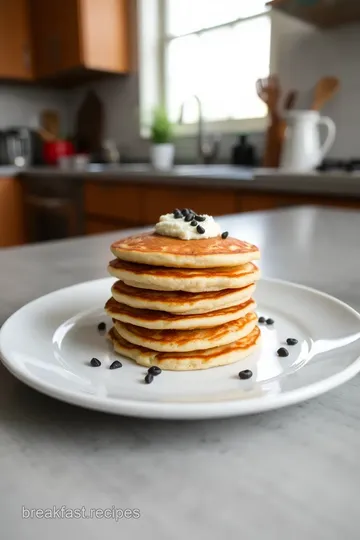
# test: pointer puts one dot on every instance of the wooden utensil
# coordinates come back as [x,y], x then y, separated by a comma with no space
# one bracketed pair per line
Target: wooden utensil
[325,89]
[50,123]
[46,135]
[289,104]
[274,3]
[269,92]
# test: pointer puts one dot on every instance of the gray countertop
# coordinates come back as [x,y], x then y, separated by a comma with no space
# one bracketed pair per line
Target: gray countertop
[209,176]
[291,474]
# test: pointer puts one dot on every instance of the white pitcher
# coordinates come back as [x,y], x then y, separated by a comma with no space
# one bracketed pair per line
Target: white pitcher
[302,150]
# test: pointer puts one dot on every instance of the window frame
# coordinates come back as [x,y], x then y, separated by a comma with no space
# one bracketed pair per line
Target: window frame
[152,13]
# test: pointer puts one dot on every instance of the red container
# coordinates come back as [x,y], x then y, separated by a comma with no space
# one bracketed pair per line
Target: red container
[55,149]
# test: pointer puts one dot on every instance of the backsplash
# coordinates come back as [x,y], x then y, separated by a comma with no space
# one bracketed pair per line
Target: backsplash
[333,52]
[120,98]
[21,105]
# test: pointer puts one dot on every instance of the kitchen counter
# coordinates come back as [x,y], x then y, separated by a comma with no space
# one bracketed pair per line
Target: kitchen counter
[289,474]
[209,176]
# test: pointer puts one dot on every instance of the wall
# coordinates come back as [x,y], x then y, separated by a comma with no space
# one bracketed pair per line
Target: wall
[335,52]
[21,105]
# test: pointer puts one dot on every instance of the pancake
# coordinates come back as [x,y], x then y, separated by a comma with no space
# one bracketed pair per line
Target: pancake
[157,250]
[180,301]
[187,340]
[160,320]
[205,359]
[184,279]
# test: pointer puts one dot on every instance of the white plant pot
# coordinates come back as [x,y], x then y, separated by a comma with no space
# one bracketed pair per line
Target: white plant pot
[162,156]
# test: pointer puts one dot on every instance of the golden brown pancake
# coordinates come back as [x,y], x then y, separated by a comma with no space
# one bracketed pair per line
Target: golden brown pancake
[161,320]
[187,340]
[180,301]
[205,359]
[184,279]
[157,250]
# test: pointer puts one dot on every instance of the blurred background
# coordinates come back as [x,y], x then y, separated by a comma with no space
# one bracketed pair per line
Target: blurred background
[115,111]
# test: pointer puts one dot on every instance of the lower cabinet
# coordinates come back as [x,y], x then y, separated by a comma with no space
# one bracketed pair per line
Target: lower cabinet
[11,213]
[113,206]
[162,200]
[98,226]
[110,206]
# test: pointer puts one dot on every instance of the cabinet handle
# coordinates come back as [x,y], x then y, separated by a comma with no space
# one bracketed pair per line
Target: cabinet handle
[26,57]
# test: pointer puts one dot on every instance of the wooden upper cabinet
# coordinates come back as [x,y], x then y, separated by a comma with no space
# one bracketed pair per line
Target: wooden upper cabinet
[56,38]
[105,29]
[15,44]
[69,35]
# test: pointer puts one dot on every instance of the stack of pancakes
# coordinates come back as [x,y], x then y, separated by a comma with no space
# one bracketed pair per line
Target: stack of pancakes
[183,305]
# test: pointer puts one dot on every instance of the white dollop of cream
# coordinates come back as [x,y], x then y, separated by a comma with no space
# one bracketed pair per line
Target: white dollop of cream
[179,228]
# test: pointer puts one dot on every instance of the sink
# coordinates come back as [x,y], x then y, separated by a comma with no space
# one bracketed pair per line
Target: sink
[130,167]
[199,170]
[202,169]
[216,170]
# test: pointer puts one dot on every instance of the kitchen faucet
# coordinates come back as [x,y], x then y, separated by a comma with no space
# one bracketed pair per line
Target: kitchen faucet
[207,148]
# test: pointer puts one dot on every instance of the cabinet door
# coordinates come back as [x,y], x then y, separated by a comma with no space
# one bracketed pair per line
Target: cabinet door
[161,200]
[69,34]
[99,226]
[55,26]
[15,52]
[46,41]
[109,200]
[11,212]
[105,29]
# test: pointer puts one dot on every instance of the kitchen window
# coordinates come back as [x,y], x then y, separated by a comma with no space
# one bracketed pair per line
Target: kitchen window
[215,49]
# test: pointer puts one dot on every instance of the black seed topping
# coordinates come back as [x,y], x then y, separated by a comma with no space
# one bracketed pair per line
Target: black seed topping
[270,321]
[246,374]
[200,229]
[178,214]
[149,378]
[184,211]
[176,211]
[193,223]
[94,362]
[154,370]
[291,341]
[101,326]
[261,320]
[116,364]
[224,235]
[283,352]
[189,217]
[200,218]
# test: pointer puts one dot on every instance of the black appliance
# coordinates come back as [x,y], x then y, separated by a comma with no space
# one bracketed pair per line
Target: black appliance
[20,147]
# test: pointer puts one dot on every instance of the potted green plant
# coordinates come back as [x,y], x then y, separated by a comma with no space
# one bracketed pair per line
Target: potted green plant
[162,148]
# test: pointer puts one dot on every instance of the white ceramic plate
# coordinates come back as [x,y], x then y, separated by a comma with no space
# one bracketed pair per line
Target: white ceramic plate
[48,345]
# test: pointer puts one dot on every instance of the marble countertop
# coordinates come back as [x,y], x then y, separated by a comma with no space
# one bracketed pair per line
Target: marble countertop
[209,176]
[288,474]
